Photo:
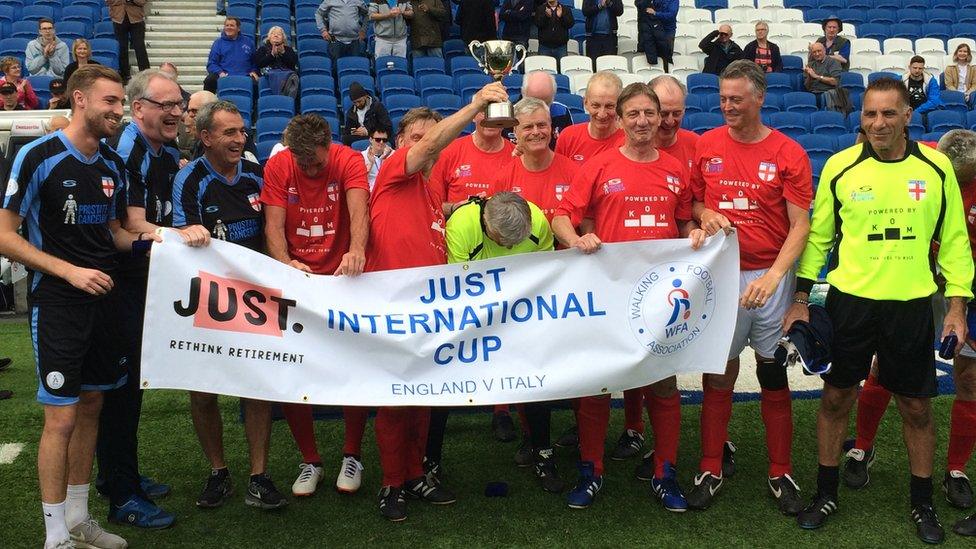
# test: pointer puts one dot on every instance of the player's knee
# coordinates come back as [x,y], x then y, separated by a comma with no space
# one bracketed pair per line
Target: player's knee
[771,377]
[836,401]
[916,412]
[60,422]
[202,402]
[965,378]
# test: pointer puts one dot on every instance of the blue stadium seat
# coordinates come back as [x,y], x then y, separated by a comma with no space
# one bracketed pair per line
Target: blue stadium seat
[397,83]
[944,4]
[852,16]
[703,121]
[817,15]
[854,121]
[888,4]
[241,85]
[915,17]
[72,30]
[365,80]
[264,150]
[36,12]
[7,17]
[78,13]
[318,84]
[513,84]
[915,126]
[711,4]
[432,84]
[773,102]
[468,84]
[832,5]
[863,5]
[964,29]
[453,48]
[792,64]
[778,83]
[852,81]
[573,101]
[953,100]
[943,121]
[693,104]
[270,128]
[42,88]
[562,83]
[23,29]
[846,141]
[817,146]
[286,4]
[881,16]
[710,102]
[391,64]
[246,13]
[876,75]
[463,65]
[933,137]
[104,29]
[828,123]
[446,104]
[276,105]
[904,30]
[352,65]
[800,102]
[243,104]
[941,31]
[14,47]
[267,24]
[702,83]
[915,4]
[274,12]
[873,30]
[308,66]
[967,15]
[360,145]
[816,167]
[793,124]
[971,119]
[427,65]
[398,105]
[322,105]
[939,16]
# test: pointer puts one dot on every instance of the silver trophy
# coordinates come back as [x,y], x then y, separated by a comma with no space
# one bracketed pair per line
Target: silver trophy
[497,59]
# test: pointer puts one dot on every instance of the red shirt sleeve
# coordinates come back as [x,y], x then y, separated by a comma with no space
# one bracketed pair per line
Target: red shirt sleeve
[576,202]
[276,170]
[798,179]
[353,172]
[685,198]
[697,182]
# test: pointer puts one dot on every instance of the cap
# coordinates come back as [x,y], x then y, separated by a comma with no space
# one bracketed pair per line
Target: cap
[8,88]
[840,24]
[56,86]
[356,91]
[808,343]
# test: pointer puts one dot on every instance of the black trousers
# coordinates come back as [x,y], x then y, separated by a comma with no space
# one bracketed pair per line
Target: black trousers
[118,447]
[537,415]
[656,42]
[601,44]
[210,82]
[127,33]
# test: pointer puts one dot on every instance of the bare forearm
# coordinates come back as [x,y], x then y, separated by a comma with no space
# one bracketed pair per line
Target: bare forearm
[358,222]
[425,152]
[562,227]
[793,246]
[123,239]
[277,246]
[685,227]
[957,305]
[13,246]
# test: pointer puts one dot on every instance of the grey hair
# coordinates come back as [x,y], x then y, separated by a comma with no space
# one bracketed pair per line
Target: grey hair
[960,147]
[279,29]
[607,78]
[137,86]
[509,216]
[204,95]
[762,22]
[668,80]
[748,69]
[528,76]
[529,105]
[205,116]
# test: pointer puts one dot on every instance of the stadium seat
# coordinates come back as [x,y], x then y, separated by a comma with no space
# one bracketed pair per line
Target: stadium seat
[800,102]
[898,46]
[23,29]
[852,16]
[446,104]
[575,64]
[915,126]
[276,105]
[239,85]
[888,4]
[773,103]
[36,12]
[72,30]
[82,14]
[877,31]
[541,63]
[513,84]
[854,121]
[268,24]
[852,81]
[953,100]
[930,46]
[693,104]
[846,140]
[264,150]
[932,137]
[703,121]
[462,65]
[573,101]
[615,63]
[943,121]
[467,85]
[453,48]
[391,64]
[309,66]
[828,123]
[941,31]
[778,83]
[913,16]
[702,83]
[318,84]
[243,104]
[322,105]
[270,11]
[432,84]
[710,102]
[964,29]
[904,30]
[360,145]
[352,65]
[792,64]
[397,83]
[247,13]
[817,146]
[816,168]
[270,128]
[423,66]
[966,15]
[876,75]
[793,124]
[816,15]
[13,47]
[398,105]
[364,80]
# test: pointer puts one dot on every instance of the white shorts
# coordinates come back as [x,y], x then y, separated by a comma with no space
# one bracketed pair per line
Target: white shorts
[762,328]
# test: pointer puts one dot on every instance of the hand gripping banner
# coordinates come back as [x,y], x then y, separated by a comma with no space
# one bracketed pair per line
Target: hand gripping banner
[532,327]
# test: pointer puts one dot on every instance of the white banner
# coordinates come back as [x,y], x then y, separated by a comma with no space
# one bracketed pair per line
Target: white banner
[530,327]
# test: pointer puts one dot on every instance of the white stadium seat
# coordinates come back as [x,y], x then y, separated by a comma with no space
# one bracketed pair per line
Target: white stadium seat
[695,15]
[770,6]
[898,46]
[780,32]
[795,46]
[540,62]
[615,63]
[580,80]
[741,4]
[897,64]
[576,64]
[809,31]
[930,47]
[789,15]
[953,43]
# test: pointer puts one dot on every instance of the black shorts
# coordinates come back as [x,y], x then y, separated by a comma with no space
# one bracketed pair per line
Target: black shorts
[78,347]
[899,332]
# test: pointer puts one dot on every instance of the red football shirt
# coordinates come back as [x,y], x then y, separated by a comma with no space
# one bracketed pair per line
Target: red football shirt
[630,200]
[316,216]
[406,227]
[750,183]
[543,188]
[576,144]
[465,170]
[684,147]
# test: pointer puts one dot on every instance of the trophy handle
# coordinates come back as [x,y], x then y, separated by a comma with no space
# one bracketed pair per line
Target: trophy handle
[518,48]
[479,58]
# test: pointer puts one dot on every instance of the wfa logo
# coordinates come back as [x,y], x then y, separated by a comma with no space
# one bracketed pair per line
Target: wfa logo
[671,306]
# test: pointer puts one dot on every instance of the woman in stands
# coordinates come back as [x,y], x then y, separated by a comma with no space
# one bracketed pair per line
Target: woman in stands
[81,51]
[278,63]
[961,75]
[26,98]
[762,51]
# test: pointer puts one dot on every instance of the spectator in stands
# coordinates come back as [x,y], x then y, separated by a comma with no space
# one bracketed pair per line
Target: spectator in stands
[762,51]
[601,26]
[390,27]
[542,85]
[477,20]
[446,24]
[923,88]
[961,74]
[57,123]
[47,54]
[837,46]
[129,22]
[822,78]
[657,22]
[171,69]
[8,94]
[10,66]
[365,112]
[186,135]
[378,151]
[231,55]
[517,17]
[343,25]
[426,37]
[278,63]
[720,49]
[81,51]
[58,98]
[553,21]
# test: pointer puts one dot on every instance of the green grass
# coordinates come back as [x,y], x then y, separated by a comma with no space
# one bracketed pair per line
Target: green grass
[623,516]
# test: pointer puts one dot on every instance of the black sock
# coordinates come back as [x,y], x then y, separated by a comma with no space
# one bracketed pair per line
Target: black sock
[255,478]
[828,478]
[317,463]
[920,489]
[221,473]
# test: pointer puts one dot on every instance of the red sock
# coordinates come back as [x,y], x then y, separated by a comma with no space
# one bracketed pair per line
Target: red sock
[594,419]
[634,410]
[777,415]
[522,421]
[962,434]
[299,417]
[871,406]
[500,409]
[355,419]
[391,440]
[416,444]
[665,416]
[715,414]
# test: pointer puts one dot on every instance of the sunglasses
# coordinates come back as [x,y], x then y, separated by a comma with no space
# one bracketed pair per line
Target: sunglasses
[380,139]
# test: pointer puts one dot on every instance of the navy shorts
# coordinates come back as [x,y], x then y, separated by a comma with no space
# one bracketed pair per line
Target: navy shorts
[78,347]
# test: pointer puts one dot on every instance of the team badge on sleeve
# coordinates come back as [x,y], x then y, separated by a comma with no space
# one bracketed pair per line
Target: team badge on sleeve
[255,200]
[561,189]
[916,189]
[767,171]
[333,190]
[674,184]
[108,186]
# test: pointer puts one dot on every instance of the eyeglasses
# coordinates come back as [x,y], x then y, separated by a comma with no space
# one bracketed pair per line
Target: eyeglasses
[47,28]
[724,34]
[167,106]
[379,139]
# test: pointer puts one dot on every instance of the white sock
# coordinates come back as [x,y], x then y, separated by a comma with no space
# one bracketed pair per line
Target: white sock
[54,526]
[76,506]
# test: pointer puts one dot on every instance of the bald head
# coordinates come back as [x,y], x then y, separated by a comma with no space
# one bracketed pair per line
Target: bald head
[817,51]
[671,94]
[196,102]
[541,85]
[724,33]
[57,123]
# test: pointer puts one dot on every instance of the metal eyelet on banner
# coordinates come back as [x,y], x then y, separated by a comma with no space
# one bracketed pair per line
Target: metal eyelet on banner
[465,267]
[305,398]
[145,384]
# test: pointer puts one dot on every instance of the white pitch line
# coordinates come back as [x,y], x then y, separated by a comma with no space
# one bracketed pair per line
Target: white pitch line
[10,451]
